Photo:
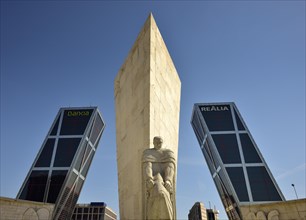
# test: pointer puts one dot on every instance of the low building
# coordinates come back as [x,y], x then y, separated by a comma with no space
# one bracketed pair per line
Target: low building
[93,211]
[199,212]
[17,209]
[212,214]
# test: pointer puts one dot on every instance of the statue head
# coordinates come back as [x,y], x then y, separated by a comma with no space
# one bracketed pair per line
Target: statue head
[157,142]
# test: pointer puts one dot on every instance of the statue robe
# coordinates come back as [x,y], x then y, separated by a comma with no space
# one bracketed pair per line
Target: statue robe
[159,166]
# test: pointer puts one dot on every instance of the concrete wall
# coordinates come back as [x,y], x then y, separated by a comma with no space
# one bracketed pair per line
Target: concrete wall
[147,98]
[13,209]
[287,210]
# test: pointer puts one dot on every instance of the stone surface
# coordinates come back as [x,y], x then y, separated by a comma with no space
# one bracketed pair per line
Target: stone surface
[15,209]
[286,210]
[159,182]
[147,99]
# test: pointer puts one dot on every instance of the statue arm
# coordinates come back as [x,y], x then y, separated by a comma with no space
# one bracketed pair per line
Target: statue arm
[148,170]
[148,174]
[169,174]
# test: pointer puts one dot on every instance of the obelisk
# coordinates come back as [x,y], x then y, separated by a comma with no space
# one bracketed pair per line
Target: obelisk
[147,101]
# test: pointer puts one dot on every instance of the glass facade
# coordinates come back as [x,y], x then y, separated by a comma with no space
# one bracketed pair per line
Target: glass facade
[60,168]
[227,147]
[238,169]
[45,156]
[35,186]
[262,186]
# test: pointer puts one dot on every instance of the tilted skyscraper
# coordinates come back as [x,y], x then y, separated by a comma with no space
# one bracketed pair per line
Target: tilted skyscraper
[61,166]
[238,169]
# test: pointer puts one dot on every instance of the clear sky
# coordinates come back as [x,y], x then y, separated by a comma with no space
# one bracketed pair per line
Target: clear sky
[67,53]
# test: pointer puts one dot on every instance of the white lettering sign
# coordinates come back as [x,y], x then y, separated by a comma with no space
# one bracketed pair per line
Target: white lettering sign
[214,108]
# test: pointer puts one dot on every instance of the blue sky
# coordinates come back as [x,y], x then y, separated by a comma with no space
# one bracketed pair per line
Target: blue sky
[67,53]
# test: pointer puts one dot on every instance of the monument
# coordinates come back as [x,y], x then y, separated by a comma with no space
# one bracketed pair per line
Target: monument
[147,101]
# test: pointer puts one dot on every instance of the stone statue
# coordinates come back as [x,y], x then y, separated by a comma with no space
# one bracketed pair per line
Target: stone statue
[159,182]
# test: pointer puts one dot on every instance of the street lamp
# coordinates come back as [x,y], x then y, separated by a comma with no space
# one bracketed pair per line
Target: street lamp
[294,191]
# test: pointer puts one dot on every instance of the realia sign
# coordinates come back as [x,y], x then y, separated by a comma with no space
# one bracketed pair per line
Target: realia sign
[214,108]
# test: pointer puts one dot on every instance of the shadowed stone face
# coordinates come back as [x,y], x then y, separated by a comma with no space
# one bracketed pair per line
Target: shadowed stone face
[157,142]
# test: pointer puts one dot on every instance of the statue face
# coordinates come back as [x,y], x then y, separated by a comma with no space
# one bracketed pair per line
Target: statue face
[158,142]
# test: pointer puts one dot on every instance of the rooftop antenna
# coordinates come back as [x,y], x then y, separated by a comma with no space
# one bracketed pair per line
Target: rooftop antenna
[294,190]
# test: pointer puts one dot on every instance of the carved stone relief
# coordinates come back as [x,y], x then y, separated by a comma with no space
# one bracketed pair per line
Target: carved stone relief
[260,215]
[159,182]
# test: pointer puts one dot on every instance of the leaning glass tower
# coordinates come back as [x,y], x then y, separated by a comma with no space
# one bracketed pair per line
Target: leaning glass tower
[238,169]
[61,166]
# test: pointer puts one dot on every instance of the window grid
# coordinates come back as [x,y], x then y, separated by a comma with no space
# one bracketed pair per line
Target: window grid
[52,173]
[247,149]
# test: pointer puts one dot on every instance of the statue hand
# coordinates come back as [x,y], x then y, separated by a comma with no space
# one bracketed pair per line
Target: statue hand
[150,184]
[168,186]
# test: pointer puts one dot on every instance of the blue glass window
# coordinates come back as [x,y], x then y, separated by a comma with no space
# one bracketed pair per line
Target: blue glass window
[218,117]
[54,130]
[249,151]
[34,189]
[239,123]
[57,180]
[227,147]
[75,122]
[65,152]
[262,186]
[46,154]
[238,181]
